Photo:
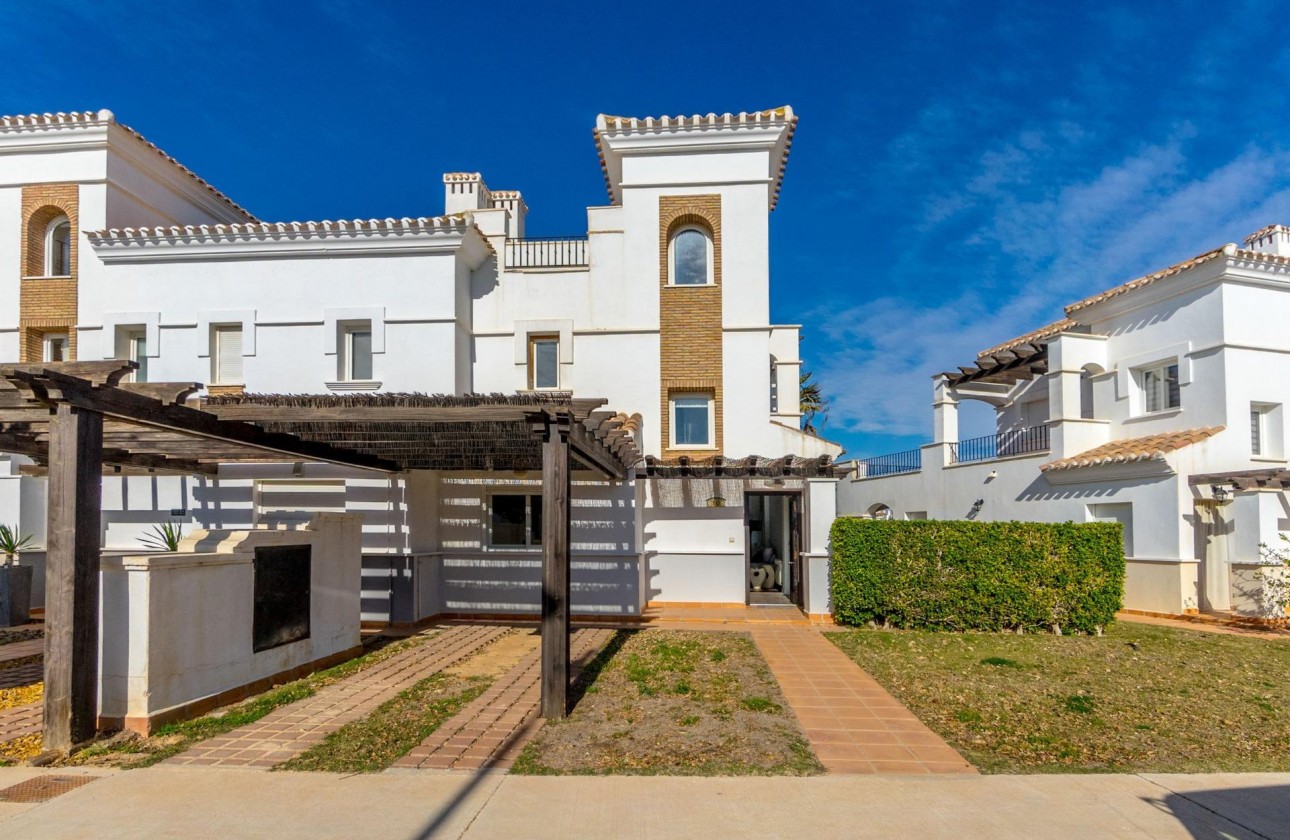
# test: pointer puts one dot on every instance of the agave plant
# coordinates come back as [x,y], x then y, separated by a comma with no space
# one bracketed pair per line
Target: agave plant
[164,536]
[11,542]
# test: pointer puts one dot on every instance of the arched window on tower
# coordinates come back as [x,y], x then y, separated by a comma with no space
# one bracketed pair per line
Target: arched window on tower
[58,248]
[690,257]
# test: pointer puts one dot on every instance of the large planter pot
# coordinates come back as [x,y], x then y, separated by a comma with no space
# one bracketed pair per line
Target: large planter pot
[15,595]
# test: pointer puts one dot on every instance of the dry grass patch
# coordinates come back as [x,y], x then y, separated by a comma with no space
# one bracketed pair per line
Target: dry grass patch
[131,751]
[674,703]
[1139,699]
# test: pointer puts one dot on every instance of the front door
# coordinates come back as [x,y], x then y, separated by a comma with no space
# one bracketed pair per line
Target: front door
[795,548]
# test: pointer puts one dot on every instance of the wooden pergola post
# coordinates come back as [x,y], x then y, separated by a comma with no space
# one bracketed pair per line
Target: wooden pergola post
[72,577]
[555,568]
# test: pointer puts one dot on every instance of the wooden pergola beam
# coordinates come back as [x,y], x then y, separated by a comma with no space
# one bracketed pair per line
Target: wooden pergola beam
[56,387]
[556,517]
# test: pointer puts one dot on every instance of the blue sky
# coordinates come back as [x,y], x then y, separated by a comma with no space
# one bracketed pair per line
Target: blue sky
[961,169]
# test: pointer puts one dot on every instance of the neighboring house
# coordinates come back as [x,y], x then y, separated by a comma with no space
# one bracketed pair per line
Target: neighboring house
[1159,404]
[111,249]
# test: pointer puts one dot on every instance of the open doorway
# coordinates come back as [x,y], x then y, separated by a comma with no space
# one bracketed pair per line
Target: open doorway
[773,524]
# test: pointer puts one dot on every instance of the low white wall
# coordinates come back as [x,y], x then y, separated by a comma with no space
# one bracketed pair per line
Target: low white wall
[696,578]
[816,584]
[1254,586]
[176,629]
[1167,586]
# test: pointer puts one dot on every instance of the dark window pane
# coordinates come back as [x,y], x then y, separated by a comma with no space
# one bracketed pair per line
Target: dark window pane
[535,519]
[60,244]
[690,258]
[360,360]
[691,419]
[546,364]
[508,520]
[1171,381]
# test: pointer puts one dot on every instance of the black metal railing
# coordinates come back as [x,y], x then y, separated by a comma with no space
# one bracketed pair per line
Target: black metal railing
[894,464]
[552,252]
[1002,445]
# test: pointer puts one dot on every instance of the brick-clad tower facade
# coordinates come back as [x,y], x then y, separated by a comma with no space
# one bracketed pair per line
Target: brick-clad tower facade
[47,304]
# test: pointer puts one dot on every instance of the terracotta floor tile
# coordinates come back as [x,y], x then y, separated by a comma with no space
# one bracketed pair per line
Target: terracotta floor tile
[915,768]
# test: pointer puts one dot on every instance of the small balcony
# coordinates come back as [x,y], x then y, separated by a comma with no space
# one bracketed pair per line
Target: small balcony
[895,464]
[1001,445]
[553,252]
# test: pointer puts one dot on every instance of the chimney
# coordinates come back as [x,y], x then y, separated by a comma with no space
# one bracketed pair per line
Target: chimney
[1273,239]
[513,203]
[464,192]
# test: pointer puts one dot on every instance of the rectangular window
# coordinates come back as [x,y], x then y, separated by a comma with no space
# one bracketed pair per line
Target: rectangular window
[1121,512]
[136,346]
[515,520]
[357,353]
[226,360]
[692,420]
[544,362]
[1160,388]
[56,347]
[1256,431]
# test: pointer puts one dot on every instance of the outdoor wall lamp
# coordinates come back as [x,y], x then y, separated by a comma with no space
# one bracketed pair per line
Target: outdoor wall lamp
[1220,492]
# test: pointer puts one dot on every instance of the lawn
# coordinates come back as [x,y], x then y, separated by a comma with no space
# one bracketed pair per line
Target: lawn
[1139,699]
[674,703]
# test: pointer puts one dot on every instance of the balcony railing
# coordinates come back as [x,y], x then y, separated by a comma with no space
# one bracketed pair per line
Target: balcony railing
[554,252]
[894,464]
[1002,445]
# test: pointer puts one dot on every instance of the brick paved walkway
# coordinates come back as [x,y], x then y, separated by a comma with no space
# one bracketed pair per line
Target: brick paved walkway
[490,732]
[20,675]
[290,730]
[21,650]
[853,724]
[21,721]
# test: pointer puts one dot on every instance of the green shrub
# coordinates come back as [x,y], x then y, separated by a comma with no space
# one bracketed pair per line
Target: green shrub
[976,575]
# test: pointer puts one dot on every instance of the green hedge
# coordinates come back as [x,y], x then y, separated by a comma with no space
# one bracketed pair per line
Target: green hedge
[976,575]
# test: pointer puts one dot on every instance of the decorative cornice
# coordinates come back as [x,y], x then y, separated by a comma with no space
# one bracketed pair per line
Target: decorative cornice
[613,126]
[102,119]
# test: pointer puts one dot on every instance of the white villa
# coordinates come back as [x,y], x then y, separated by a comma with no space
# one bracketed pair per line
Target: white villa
[1158,404]
[111,249]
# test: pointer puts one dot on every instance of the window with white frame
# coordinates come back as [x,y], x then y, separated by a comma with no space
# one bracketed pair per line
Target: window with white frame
[1265,430]
[690,257]
[56,347]
[356,352]
[544,362]
[774,386]
[692,421]
[515,520]
[1159,385]
[58,248]
[136,350]
[226,355]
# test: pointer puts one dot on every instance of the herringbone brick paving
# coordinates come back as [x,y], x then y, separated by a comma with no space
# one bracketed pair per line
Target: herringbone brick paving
[490,732]
[290,730]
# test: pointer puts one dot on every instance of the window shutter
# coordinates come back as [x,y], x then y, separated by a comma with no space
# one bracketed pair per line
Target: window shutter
[228,356]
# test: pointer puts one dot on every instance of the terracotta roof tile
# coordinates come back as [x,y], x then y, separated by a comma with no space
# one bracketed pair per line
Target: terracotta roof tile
[1145,280]
[88,119]
[1151,447]
[1035,335]
[607,124]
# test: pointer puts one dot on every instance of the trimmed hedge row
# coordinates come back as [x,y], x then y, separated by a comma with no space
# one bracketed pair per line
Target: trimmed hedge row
[957,575]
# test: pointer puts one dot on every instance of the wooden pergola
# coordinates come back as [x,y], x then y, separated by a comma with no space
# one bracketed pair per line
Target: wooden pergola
[78,420]
[1275,478]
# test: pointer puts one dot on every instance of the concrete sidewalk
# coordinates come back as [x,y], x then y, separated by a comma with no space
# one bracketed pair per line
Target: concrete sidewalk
[191,802]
